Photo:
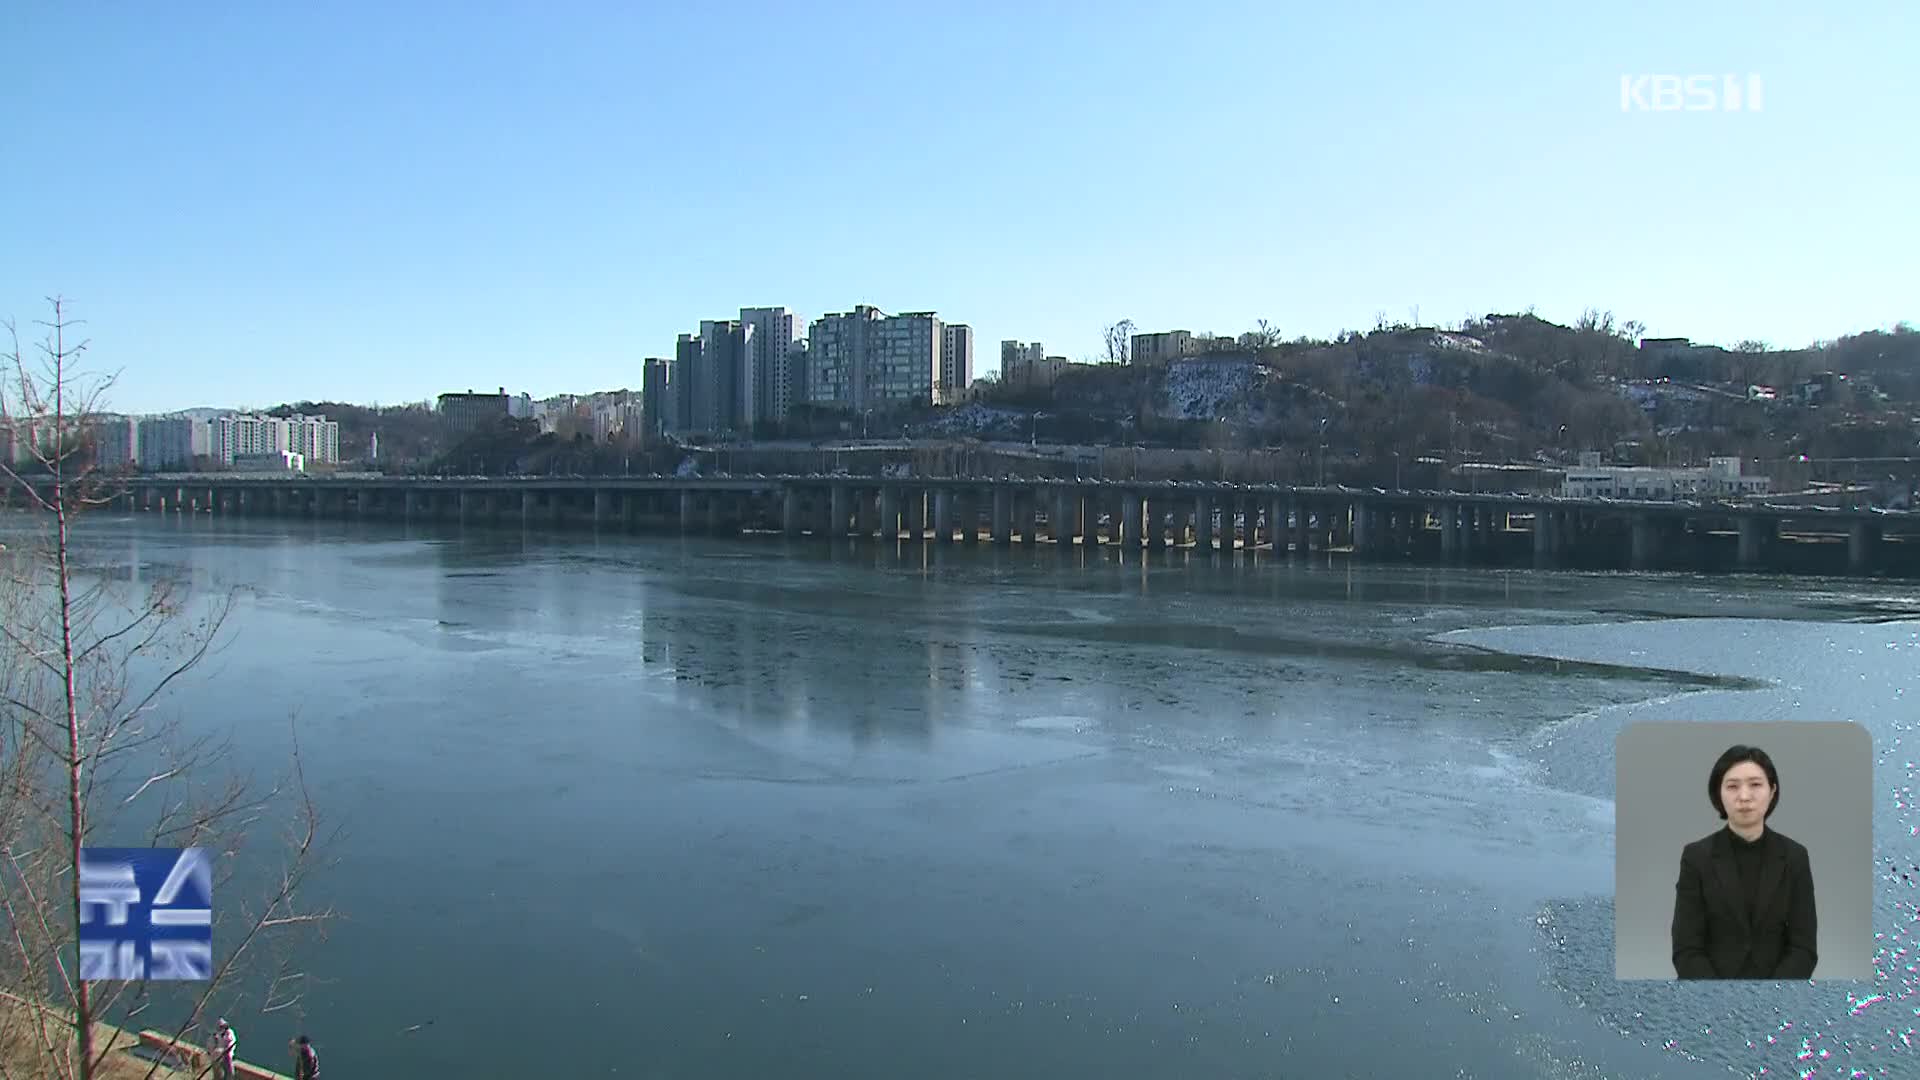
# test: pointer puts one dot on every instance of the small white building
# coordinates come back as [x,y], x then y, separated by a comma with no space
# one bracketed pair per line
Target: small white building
[1721,478]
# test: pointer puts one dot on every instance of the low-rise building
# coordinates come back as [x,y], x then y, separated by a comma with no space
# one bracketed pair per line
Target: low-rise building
[1721,478]
[284,461]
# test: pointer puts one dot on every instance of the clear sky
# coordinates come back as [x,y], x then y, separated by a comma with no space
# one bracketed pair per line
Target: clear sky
[256,203]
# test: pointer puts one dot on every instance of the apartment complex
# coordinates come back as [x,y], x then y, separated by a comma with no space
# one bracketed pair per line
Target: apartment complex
[737,373]
[315,439]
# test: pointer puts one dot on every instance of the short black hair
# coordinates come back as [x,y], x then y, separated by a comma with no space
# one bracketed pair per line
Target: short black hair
[303,1038]
[1734,756]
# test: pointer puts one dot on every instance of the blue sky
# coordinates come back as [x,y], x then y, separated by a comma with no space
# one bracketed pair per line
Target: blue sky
[382,202]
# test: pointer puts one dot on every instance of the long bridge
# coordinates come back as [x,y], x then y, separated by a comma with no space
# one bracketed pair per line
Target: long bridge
[1368,523]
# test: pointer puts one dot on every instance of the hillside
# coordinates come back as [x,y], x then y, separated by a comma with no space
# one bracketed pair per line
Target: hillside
[1502,387]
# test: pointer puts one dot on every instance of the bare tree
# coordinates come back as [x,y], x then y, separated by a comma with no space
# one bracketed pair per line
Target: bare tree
[85,661]
[1264,335]
[1119,338]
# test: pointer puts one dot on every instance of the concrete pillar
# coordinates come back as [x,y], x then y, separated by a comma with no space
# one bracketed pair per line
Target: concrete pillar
[1363,528]
[916,513]
[1646,542]
[1756,534]
[713,500]
[966,510]
[889,513]
[943,516]
[1250,507]
[839,501]
[1863,546]
[600,501]
[1542,535]
[1153,521]
[790,511]
[1130,521]
[464,500]
[1301,534]
[1203,522]
[686,511]
[1449,530]
[1002,514]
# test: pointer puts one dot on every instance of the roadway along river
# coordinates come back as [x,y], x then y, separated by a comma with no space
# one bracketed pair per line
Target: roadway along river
[657,808]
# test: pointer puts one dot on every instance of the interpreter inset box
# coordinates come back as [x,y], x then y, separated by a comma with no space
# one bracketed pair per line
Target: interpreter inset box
[1743,851]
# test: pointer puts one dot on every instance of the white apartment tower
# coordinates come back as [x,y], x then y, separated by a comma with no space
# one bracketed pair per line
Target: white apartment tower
[956,362]
[767,380]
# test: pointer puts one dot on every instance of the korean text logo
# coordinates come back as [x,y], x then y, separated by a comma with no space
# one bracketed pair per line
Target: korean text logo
[146,913]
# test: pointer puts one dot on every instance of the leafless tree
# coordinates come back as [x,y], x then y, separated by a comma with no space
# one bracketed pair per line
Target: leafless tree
[1264,335]
[87,656]
[1119,338]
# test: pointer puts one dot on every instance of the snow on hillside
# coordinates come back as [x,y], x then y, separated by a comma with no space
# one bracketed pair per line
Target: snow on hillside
[1206,389]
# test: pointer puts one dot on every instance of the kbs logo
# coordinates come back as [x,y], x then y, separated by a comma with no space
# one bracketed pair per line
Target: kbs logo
[146,913]
[1690,93]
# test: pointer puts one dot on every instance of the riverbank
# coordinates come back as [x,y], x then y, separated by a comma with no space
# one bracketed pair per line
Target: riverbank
[131,1054]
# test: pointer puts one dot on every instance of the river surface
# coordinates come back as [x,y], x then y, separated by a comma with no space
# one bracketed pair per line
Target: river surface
[618,806]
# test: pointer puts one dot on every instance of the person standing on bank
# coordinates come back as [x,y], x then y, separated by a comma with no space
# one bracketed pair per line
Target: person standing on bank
[1743,907]
[224,1041]
[306,1061]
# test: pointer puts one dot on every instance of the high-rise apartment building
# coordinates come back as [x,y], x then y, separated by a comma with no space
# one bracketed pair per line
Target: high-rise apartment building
[655,404]
[171,442]
[956,362]
[766,376]
[717,380]
[869,360]
[680,379]
[116,442]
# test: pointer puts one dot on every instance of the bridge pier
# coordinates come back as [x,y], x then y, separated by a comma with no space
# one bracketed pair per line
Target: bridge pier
[889,513]
[1757,535]
[839,510]
[1363,529]
[600,501]
[912,511]
[1002,515]
[1863,546]
[790,512]
[1645,542]
[943,516]
[1130,521]
[1203,523]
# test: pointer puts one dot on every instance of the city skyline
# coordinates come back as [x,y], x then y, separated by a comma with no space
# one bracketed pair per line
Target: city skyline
[279,206]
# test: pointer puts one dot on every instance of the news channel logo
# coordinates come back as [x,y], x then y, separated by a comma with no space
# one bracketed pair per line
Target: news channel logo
[1691,93]
[146,913]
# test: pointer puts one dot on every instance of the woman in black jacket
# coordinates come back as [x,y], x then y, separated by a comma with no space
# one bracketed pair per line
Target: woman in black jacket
[1743,907]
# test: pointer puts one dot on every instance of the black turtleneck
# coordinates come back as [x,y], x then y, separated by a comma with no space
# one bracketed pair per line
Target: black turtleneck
[1747,856]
